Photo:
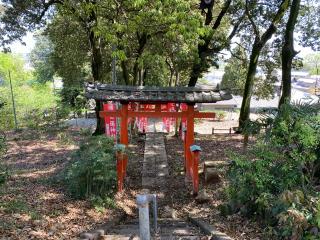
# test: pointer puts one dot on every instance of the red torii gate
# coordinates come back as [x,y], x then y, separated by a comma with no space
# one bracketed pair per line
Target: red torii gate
[158,96]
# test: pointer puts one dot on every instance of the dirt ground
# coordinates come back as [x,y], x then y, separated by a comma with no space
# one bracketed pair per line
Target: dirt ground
[32,206]
[214,148]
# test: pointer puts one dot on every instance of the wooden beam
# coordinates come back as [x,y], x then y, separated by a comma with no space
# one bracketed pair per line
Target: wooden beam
[204,114]
[103,114]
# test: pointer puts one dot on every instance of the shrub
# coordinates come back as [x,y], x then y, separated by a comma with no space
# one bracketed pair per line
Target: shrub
[275,180]
[3,149]
[93,172]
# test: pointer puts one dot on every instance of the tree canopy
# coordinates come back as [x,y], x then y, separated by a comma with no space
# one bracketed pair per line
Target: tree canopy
[167,43]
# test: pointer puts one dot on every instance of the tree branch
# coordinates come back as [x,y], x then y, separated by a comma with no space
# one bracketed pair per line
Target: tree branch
[236,27]
[254,26]
[277,18]
[209,14]
[46,8]
[222,13]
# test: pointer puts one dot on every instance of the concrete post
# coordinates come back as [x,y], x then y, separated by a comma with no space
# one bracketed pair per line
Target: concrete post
[144,224]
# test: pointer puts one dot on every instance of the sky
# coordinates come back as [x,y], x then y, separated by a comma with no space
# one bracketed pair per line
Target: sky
[19,48]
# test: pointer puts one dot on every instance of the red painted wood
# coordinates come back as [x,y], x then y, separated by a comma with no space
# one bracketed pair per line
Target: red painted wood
[157,114]
[103,114]
[158,108]
[189,138]
[191,160]
[195,171]
[125,163]
[120,172]
[124,124]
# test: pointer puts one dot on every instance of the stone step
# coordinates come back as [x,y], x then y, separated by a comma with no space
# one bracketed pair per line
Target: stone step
[167,229]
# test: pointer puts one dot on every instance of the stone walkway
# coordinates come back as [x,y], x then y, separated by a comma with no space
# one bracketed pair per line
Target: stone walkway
[155,163]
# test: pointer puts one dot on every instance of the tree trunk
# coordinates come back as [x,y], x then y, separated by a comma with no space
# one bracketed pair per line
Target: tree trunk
[96,59]
[135,73]
[245,106]
[100,127]
[171,69]
[145,73]
[171,78]
[142,41]
[141,77]
[125,72]
[177,78]
[96,70]
[288,52]
[96,67]
[259,43]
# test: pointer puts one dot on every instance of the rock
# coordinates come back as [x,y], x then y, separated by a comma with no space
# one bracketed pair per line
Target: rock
[203,197]
[314,231]
[216,164]
[212,176]
[169,213]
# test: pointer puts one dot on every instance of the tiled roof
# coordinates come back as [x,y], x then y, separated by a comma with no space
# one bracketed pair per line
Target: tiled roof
[108,92]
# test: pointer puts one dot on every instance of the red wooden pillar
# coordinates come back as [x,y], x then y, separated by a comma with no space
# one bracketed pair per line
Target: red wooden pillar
[120,171]
[189,138]
[122,160]
[195,152]
[124,124]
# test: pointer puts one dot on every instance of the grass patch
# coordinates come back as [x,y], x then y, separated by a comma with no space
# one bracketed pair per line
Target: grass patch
[100,204]
[14,206]
[20,206]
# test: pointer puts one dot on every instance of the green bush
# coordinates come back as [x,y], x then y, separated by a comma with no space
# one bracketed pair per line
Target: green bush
[93,172]
[3,169]
[275,180]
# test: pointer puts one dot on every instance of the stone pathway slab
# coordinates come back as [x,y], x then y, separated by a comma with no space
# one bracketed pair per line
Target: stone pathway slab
[155,162]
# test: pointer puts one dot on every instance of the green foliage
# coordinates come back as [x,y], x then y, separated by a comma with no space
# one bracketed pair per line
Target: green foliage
[35,106]
[64,138]
[42,60]
[93,174]
[102,203]
[275,179]
[236,70]
[71,99]
[3,145]
[234,77]
[309,26]
[311,62]
[4,174]
[14,206]
[34,102]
